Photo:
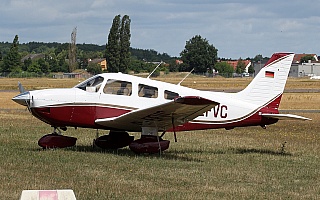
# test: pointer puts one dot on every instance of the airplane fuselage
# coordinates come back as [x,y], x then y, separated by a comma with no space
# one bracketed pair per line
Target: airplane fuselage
[82,105]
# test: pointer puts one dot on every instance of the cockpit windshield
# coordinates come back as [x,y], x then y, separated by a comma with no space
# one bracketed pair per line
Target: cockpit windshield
[91,85]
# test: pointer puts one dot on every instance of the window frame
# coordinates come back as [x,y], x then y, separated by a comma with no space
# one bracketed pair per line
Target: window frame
[118,87]
[148,91]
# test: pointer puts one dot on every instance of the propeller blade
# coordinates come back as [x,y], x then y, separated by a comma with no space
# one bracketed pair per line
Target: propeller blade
[21,88]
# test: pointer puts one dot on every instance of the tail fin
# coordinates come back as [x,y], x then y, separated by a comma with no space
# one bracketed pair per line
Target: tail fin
[269,83]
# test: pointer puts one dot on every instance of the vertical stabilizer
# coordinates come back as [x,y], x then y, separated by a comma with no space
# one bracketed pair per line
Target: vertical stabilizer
[269,83]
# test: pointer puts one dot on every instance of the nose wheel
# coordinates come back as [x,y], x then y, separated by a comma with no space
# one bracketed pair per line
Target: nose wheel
[56,140]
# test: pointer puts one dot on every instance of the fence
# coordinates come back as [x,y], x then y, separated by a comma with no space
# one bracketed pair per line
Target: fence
[51,75]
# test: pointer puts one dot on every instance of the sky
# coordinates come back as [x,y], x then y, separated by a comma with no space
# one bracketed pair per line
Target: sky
[238,29]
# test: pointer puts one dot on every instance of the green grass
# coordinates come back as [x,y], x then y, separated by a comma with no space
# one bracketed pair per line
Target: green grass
[243,163]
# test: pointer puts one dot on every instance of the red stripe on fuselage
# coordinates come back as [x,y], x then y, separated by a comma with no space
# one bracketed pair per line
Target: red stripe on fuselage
[254,120]
[77,116]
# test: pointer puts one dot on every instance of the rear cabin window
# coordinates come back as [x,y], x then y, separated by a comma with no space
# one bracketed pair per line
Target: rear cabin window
[170,95]
[118,87]
[148,91]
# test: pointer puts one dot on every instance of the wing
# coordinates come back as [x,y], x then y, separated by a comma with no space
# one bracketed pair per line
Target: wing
[163,116]
[285,116]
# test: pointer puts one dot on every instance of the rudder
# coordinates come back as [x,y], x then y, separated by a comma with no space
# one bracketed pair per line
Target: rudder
[269,83]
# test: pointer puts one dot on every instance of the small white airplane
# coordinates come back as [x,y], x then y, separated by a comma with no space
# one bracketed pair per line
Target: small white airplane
[315,77]
[124,103]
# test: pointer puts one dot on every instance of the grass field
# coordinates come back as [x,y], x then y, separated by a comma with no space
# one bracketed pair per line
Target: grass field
[280,162]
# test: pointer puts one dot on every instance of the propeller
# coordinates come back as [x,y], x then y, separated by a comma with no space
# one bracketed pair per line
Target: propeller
[21,88]
[28,104]
[24,97]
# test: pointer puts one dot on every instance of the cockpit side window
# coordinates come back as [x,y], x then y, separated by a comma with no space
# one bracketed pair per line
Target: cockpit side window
[148,91]
[91,85]
[170,95]
[118,87]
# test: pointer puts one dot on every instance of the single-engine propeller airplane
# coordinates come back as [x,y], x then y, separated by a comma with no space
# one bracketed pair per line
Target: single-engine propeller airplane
[124,103]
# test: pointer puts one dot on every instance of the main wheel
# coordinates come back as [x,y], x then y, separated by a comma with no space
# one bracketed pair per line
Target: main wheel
[149,144]
[115,140]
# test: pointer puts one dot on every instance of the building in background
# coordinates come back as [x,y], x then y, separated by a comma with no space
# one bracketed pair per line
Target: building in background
[310,68]
[100,61]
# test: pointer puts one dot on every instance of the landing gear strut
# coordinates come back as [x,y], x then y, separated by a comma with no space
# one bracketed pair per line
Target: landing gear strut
[56,140]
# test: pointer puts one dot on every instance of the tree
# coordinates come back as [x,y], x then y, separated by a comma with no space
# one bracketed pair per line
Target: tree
[251,69]
[125,44]
[26,64]
[54,67]
[94,68]
[173,65]
[44,65]
[62,64]
[113,46]
[241,66]
[72,51]
[224,69]
[34,68]
[306,58]
[60,48]
[12,61]
[199,54]
[258,58]
[118,46]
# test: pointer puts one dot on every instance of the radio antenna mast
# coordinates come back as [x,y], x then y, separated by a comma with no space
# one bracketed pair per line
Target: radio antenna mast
[185,77]
[154,69]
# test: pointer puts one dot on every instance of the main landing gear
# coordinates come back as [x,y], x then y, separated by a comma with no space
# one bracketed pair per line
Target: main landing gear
[149,143]
[115,140]
[56,140]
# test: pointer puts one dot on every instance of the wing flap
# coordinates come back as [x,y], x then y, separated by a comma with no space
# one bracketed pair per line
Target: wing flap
[285,116]
[178,111]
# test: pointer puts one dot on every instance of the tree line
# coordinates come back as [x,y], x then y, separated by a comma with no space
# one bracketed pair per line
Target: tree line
[43,58]
[53,57]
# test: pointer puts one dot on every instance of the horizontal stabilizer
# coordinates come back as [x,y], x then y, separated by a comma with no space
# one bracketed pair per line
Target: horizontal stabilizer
[285,116]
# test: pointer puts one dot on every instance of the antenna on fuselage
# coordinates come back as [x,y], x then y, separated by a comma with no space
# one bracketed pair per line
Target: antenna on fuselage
[154,69]
[185,76]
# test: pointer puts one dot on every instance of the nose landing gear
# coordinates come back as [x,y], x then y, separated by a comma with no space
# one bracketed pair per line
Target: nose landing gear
[56,140]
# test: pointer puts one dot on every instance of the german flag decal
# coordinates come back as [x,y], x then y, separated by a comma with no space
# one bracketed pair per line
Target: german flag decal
[269,74]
